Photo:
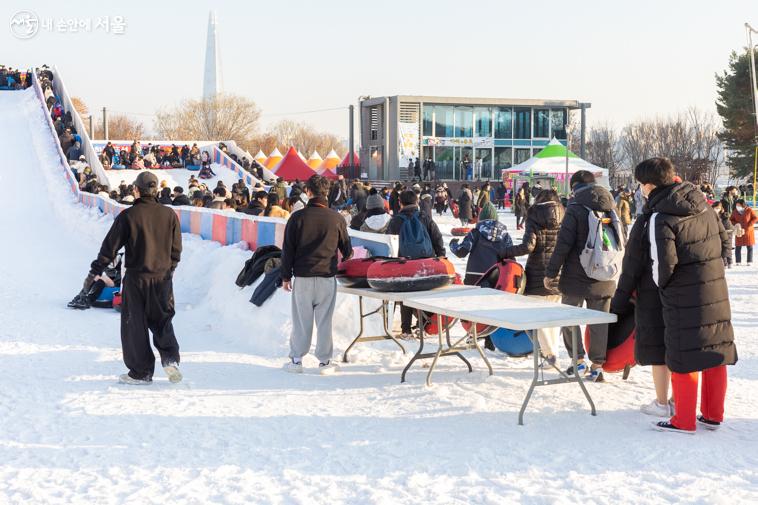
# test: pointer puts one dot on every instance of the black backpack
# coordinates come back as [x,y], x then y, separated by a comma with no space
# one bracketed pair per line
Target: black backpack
[253,268]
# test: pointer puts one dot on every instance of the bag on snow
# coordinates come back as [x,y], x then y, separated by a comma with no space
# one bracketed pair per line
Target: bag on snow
[254,266]
[603,252]
[415,242]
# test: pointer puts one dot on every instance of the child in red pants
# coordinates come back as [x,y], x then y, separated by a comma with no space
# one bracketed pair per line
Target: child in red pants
[712,394]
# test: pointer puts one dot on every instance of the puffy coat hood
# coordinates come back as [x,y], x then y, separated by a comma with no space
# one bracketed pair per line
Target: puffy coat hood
[682,199]
[546,214]
[492,230]
[593,196]
[378,221]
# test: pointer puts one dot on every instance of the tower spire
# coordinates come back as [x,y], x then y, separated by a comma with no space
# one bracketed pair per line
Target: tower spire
[212,76]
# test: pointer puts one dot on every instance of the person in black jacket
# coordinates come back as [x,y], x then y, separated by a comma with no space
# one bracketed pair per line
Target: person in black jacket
[718,207]
[687,242]
[180,198]
[152,237]
[312,238]
[636,291]
[409,207]
[165,197]
[257,206]
[575,286]
[484,245]
[543,220]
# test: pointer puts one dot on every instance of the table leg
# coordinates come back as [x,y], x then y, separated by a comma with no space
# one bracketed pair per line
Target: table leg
[360,329]
[481,352]
[385,322]
[535,377]
[461,356]
[420,350]
[439,349]
[574,360]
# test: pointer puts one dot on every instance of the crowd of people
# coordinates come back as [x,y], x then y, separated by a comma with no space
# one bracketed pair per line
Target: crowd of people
[14,78]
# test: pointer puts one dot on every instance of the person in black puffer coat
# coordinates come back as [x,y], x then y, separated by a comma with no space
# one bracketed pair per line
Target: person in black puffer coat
[543,221]
[484,245]
[636,291]
[687,242]
[575,286]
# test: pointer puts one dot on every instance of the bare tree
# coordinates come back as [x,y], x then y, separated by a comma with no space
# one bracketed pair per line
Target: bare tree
[80,106]
[302,136]
[223,117]
[121,127]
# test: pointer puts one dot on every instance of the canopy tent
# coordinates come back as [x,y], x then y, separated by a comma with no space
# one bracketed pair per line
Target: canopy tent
[551,162]
[315,160]
[291,167]
[274,158]
[346,160]
[301,155]
[331,161]
[260,157]
[329,174]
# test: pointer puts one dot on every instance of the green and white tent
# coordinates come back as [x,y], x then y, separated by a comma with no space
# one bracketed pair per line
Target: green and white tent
[551,161]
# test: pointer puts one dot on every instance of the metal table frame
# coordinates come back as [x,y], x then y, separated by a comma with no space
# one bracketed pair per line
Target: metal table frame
[372,338]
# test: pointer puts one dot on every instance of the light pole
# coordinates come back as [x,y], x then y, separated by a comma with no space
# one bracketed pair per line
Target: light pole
[751,59]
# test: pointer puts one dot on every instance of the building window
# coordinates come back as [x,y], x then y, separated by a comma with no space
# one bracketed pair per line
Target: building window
[522,123]
[541,123]
[521,155]
[483,121]
[443,117]
[503,123]
[503,159]
[464,121]
[444,162]
[558,120]
[428,121]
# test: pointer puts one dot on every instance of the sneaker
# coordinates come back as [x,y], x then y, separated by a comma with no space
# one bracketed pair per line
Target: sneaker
[596,375]
[656,409]
[80,302]
[294,366]
[580,366]
[549,362]
[327,368]
[406,336]
[708,425]
[127,379]
[667,426]
[172,371]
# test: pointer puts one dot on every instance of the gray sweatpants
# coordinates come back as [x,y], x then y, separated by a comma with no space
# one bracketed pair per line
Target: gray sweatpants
[598,332]
[312,298]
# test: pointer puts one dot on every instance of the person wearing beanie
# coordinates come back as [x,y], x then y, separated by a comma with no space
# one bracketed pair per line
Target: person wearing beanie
[484,245]
[151,235]
[488,212]
[374,207]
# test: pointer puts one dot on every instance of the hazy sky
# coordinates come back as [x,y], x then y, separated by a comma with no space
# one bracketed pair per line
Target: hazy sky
[629,59]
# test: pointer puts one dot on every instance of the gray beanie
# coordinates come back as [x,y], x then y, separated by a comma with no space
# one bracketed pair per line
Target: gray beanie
[374,201]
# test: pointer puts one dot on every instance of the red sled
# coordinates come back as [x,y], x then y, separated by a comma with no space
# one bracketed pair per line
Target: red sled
[447,322]
[402,274]
[454,207]
[460,231]
[621,336]
[117,301]
[353,272]
[505,275]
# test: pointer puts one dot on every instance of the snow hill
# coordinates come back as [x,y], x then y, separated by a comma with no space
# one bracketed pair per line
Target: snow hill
[239,430]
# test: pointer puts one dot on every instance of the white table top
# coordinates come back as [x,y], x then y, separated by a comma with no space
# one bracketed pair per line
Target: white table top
[401,296]
[506,310]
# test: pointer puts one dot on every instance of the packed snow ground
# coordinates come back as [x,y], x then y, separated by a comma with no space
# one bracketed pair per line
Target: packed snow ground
[240,430]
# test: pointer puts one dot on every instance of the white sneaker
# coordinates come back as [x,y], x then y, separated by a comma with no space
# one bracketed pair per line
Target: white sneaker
[327,368]
[294,366]
[656,409]
[173,373]
[127,379]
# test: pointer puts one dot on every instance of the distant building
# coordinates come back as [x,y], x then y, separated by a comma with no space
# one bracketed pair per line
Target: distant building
[489,133]
[212,75]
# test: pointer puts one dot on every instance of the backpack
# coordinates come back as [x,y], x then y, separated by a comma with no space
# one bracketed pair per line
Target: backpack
[414,239]
[603,252]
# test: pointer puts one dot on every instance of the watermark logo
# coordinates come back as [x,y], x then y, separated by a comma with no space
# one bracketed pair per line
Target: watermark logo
[24,25]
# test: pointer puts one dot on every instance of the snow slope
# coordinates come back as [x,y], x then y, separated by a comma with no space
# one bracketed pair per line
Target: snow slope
[239,430]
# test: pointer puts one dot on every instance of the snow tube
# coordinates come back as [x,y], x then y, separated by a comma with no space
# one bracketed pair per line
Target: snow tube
[460,231]
[620,353]
[403,274]
[193,168]
[512,342]
[505,275]
[455,208]
[117,301]
[352,273]
[447,322]
[105,298]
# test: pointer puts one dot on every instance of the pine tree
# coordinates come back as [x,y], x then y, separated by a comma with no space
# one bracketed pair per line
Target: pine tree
[735,106]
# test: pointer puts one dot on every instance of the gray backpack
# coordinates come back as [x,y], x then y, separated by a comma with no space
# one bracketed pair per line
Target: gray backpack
[603,252]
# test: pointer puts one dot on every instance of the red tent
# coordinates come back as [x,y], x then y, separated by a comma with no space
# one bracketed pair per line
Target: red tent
[329,174]
[292,167]
[346,160]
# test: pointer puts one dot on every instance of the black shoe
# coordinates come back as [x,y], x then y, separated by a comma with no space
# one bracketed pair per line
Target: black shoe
[667,426]
[708,425]
[80,302]
[581,366]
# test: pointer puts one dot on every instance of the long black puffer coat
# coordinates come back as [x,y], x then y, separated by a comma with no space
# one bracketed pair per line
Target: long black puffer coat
[540,236]
[686,246]
[571,240]
[637,280]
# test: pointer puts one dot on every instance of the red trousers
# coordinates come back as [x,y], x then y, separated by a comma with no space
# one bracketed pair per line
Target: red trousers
[712,395]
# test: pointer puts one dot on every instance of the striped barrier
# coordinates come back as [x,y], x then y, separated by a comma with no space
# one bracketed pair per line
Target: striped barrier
[223,159]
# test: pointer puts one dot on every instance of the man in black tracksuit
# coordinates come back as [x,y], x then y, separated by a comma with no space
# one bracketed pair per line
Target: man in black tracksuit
[151,235]
[575,286]
[409,206]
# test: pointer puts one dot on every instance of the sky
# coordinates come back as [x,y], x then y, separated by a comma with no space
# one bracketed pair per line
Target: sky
[630,60]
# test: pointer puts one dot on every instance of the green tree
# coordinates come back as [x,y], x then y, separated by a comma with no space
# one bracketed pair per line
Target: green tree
[735,106]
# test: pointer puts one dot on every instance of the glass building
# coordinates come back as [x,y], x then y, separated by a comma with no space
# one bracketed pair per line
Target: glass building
[466,137]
